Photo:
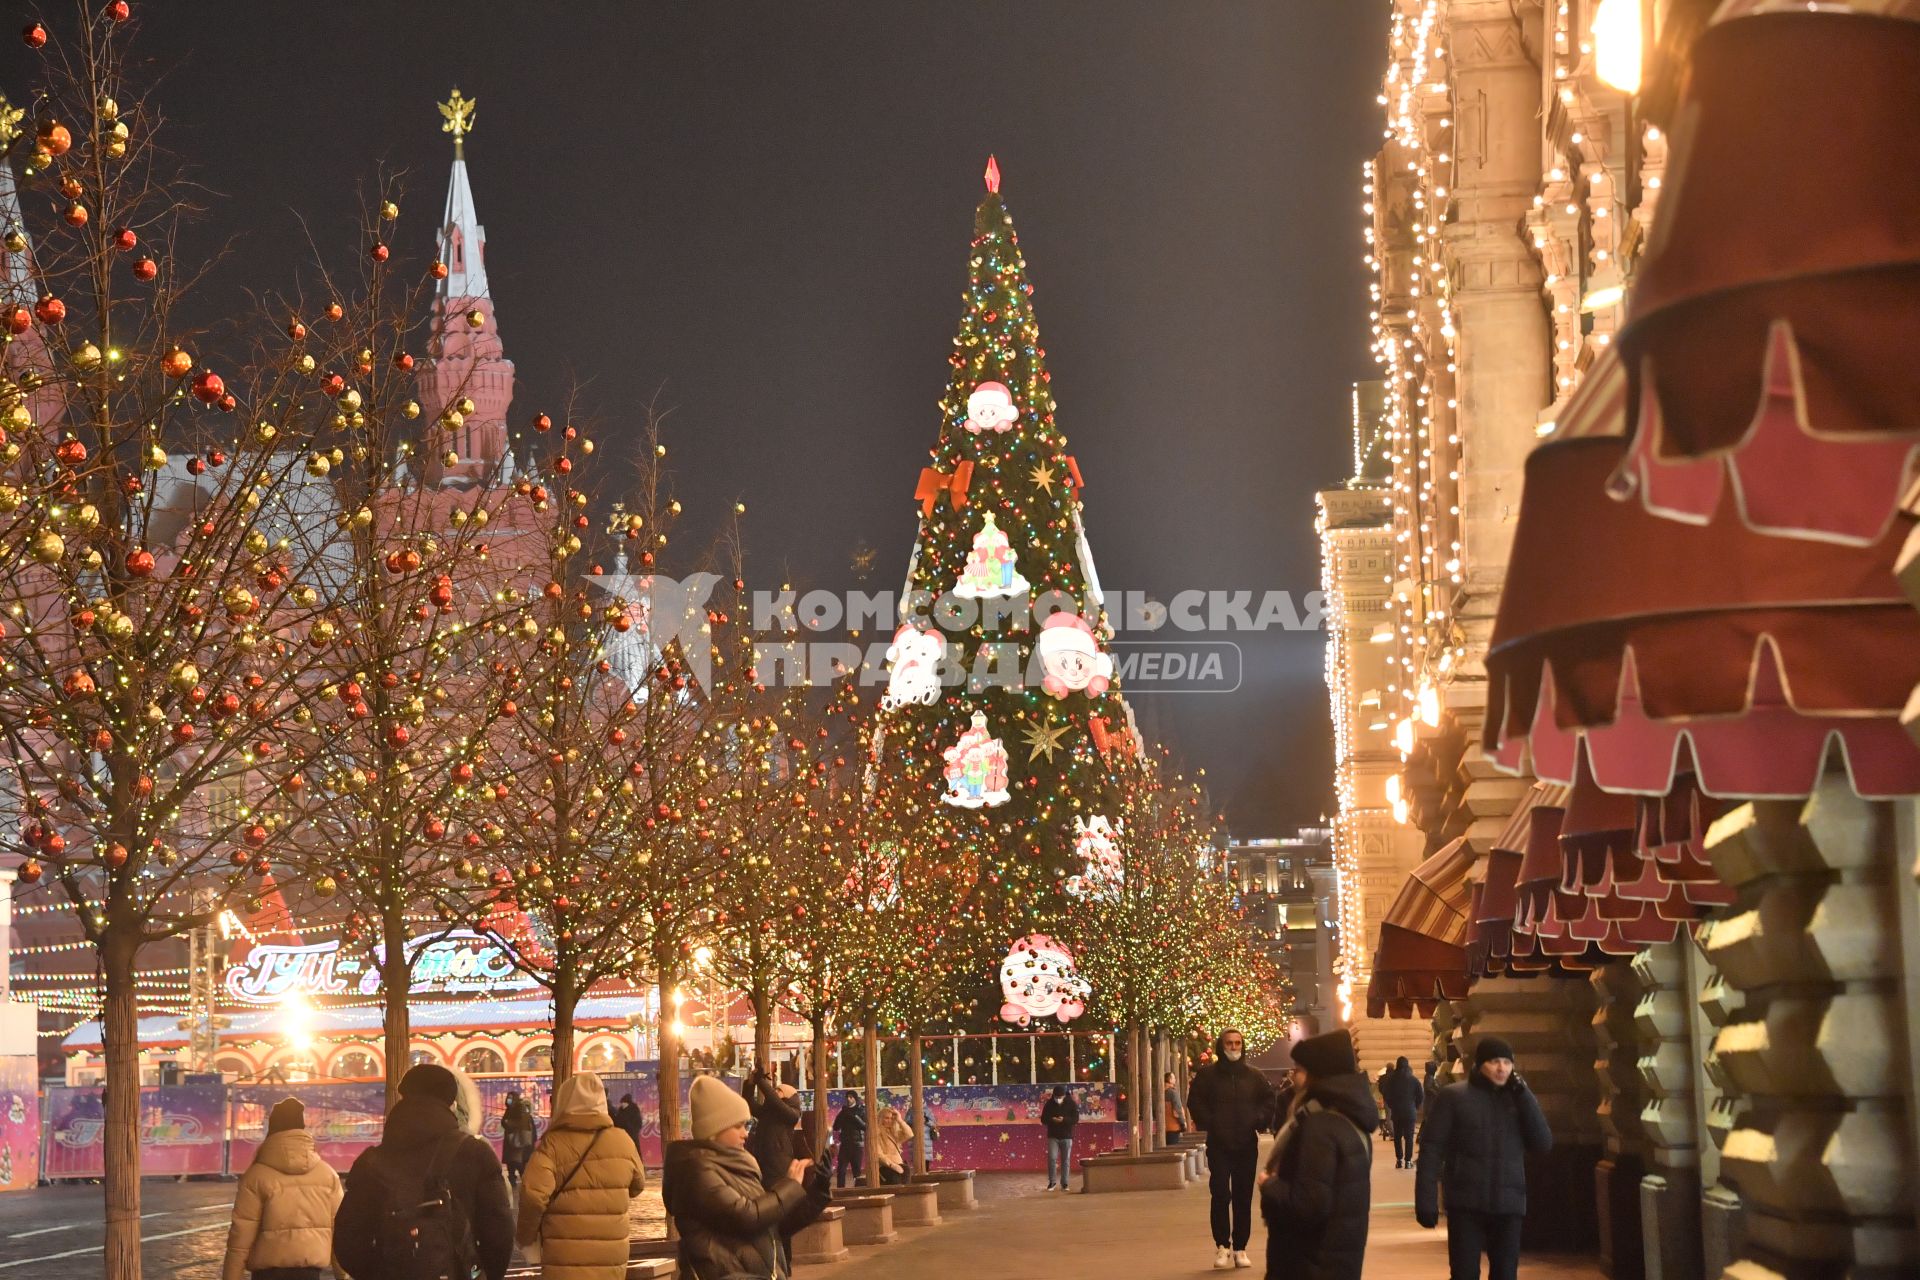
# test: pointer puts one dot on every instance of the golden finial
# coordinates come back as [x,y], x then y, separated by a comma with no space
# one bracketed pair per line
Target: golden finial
[10,117]
[457,117]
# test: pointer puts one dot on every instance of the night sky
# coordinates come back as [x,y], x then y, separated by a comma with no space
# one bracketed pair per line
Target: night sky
[761,213]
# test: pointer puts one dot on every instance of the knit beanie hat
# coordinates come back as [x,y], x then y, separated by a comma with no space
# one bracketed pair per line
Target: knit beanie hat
[430,1080]
[715,1107]
[1326,1055]
[1489,1048]
[288,1113]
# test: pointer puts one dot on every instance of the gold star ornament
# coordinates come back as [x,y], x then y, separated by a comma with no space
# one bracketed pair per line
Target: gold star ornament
[1044,740]
[1042,477]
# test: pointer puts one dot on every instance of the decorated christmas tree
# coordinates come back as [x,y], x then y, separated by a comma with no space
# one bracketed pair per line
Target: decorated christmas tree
[1001,727]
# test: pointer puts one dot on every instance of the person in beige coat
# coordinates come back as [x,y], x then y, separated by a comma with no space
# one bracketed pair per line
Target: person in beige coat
[283,1211]
[576,1189]
[892,1138]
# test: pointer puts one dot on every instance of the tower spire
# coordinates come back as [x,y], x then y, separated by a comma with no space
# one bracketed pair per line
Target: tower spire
[466,358]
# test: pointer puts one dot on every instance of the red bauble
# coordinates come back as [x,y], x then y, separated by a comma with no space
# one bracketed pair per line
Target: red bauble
[140,563]
[145,269]
[177,363]
[55,139]
[76,214]
[335,311]
[379,252]
[210,388]
[17,319]
[29,872]
[334,385]
[50,310]
[35,37]
[541,422]
[439,271]
[401,360]
[256,835]
[119,10]
[125,239]
[116,855]
[563,465]
[398,736]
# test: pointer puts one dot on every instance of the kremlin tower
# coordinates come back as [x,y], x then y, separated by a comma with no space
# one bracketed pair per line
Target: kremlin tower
[465,358]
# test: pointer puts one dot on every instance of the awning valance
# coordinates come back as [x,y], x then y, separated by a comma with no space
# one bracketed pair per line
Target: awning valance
[1772,321]
[1666,648]
[1422,957]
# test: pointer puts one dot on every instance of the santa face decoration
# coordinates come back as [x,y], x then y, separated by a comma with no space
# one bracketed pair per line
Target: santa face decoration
[1070,658]
[990,408]
[1037,980]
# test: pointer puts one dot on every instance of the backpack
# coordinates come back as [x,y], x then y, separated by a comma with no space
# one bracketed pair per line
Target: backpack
[424,1233]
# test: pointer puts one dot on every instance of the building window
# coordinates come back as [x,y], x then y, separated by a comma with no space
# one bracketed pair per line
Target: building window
[537,1061]
[354,1064]
[483,1061]
[600,1056]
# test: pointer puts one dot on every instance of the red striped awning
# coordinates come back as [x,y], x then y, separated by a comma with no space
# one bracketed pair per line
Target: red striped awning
[1422,957]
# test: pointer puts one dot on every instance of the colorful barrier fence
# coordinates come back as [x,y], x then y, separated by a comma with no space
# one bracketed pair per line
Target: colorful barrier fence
[216,1129]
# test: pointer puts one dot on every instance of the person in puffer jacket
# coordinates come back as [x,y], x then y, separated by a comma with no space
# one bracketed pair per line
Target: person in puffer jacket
[578,1185]
[731,1224]
[1475,1144]
[283,1211]
[1317,1185]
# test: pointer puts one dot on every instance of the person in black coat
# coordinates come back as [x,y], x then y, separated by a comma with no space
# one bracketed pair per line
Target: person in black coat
[423,1134]
[774,1119]
[850,1126]
[1316,1189]
[628,1119]
[1060,1116]
[1475,1144]
[1232,1103]
[1402,1095]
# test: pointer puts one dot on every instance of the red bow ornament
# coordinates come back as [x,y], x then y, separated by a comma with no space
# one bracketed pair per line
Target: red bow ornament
[934,482]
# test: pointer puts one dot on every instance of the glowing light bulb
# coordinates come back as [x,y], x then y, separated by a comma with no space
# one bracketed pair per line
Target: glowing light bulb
[1617,41]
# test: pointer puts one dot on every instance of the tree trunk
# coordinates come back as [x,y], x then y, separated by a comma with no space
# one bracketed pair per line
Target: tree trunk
[872,1073]
[566,998]
[1136,1112]
[819,1079]
[396,982]
[1156,1097]
[121,1040]
[666,1073]
[763,1030]
[917,1104]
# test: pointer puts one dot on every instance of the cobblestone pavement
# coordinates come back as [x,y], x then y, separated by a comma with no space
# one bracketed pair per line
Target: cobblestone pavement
[1020,1232]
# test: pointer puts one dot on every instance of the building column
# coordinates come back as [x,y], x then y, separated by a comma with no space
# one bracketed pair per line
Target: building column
[1616,1178]
[1820,1151]
[1549,1023]
[1671,1068]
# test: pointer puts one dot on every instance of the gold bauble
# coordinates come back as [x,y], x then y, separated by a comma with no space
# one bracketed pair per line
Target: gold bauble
[476,319]
[318,465]
[351,399]
[465,405]
[305,364]
[480,516]
[185,676]
[411,410]
[48,547]
[389,210]
[16,240]
[85,356]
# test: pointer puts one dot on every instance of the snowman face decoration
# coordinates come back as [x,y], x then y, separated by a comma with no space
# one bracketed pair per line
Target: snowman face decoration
[991,408]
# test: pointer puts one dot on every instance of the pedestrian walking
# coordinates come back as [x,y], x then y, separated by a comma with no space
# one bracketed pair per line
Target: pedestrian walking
[1402,1095]
[773,1142]
[1316,1188]
[1475,1144]
[850,1127]
[430,1199]
[1232,1103]
[730,1223]
[579,1184]
[892,1139]
[1176,1111]
[629,1119]
[929,1132]
[1386,1113]
[1060,1116]
[283,1209]
[518,1132]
